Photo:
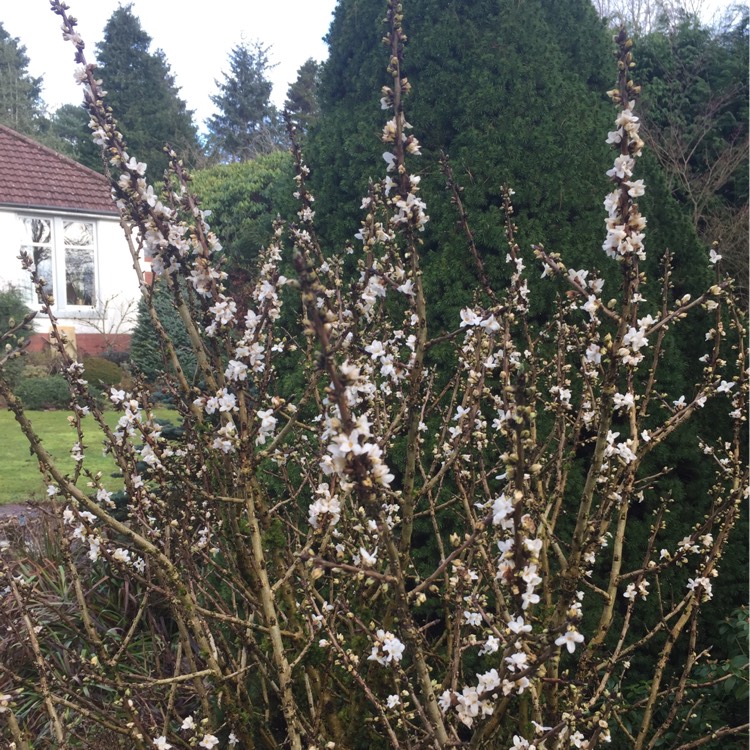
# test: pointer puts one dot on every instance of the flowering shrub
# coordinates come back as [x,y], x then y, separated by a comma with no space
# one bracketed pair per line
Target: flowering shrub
[390,555]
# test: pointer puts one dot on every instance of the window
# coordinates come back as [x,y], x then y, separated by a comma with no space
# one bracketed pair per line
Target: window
[64,251]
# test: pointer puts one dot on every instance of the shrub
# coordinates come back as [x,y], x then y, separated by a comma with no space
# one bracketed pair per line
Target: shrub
[49,392]
[390,553]
[102,372]
[13,310]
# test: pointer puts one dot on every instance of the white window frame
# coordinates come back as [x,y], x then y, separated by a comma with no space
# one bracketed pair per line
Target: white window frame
[58,257]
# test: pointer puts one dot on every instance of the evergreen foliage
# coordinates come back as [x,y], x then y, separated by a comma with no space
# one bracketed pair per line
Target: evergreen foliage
[13,309]
[69,133]
[247,124]
[21,105]
[141,89]
[302,98]
[507,91]
[145,350]
[244,199]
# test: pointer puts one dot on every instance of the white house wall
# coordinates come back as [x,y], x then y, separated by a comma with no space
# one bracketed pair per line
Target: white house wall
[116,283]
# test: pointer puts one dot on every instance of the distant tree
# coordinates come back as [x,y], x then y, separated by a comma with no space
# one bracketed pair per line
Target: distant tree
[695,106]
[21,106]
[302,101]
[247,123]
[69,133]
[142,90]
[641,17]
[244,199]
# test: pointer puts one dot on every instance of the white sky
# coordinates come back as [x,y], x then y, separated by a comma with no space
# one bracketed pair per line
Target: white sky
[195,35]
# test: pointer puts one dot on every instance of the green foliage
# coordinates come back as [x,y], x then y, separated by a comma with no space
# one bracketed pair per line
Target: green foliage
[247,124]
[145,347]
[49,392]
[302,99]
[69,133]
[101,372]
[500,89]
[244,199]
[142,90]
[21,105]
[12,311]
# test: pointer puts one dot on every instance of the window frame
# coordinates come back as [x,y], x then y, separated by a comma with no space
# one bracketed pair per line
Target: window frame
[58,253]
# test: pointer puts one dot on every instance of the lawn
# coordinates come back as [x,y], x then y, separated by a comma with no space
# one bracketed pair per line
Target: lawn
[20,479]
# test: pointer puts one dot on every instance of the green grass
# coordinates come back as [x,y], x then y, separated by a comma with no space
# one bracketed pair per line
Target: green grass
[20,479]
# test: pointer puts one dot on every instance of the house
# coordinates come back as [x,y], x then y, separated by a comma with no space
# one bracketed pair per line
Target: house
[61,213]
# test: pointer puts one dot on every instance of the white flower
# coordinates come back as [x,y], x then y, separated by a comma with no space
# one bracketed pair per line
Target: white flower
[445,700]
[623,167]
[469,318]
[576,740]
[636,188]
[518,625]
[491,645]
[473,618]
[390,160]
[393,701]
[117,397]
[704,583]
[517,661]
[519,743]
[488,681]
[713,256]
[376,349]
[232,739]
[724,387]
[121,555]
[236,370]
[367,558]
[569,640]
[625,401]
[529,597]
[161,743]
[392,646]
[208,741]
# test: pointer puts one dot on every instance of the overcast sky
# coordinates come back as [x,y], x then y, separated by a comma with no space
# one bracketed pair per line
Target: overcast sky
[196,37]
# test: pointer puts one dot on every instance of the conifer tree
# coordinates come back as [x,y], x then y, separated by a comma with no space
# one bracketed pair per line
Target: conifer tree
[506,90]
[302,97]
[247,124]
[21,105]
[142,90]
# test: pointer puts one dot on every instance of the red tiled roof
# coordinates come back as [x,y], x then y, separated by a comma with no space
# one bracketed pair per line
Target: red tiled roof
[34,176]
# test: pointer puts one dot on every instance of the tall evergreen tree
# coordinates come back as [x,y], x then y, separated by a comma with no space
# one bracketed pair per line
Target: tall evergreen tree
[143,94]
[70,134]
[247,123]
[508,90]
[21,106]
[302,97]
